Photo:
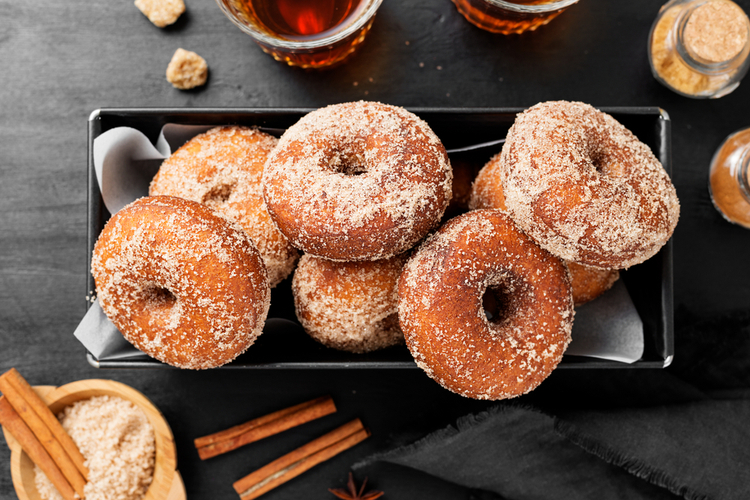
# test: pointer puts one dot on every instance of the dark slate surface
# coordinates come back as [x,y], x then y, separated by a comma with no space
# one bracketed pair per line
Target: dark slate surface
[62,60]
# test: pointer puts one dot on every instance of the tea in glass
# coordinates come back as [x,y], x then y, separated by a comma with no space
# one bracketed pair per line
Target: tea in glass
[305,33]
[511,16]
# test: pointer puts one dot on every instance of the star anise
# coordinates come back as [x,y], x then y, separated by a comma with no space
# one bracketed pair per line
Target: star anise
[353,494]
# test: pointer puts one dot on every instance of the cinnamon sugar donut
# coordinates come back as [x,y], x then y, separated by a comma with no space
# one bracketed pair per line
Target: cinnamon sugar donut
[587,282]
[585,188]
[350,306]
[441,309]
[487,188]
[222,168]
[464,173]
[590,282]
[357,181]
[182,284]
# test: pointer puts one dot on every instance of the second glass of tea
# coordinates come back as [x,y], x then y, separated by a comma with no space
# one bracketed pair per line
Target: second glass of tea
[511,16]
[304,33]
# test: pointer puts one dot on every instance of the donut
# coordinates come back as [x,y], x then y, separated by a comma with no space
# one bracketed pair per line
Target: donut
[585,188]
[182,284]
[465,171]
[441,292]
[357,181]
[587,282]
[487,188]
[222,168]
[350,306]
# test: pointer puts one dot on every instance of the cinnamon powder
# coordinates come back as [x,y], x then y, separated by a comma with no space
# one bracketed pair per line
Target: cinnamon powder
[726,192]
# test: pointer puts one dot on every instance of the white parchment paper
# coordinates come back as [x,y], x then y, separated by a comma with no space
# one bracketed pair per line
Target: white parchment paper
[125,161]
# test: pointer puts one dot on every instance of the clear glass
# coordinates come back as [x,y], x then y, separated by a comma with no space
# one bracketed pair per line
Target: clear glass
[675,67]
[729,178]
[506,17]
[331,47]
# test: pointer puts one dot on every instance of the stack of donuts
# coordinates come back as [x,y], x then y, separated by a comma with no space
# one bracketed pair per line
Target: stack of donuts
[483,300]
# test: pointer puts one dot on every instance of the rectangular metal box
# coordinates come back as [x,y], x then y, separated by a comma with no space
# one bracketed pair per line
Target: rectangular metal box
[284,345]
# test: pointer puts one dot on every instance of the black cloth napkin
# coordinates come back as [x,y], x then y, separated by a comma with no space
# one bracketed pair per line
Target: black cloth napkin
[695,450]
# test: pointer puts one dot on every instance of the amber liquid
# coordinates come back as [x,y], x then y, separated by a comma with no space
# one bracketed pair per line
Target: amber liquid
[498,20]
[307,21]
[304,20]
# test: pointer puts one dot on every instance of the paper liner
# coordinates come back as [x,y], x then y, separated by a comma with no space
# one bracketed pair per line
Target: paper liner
[125,161]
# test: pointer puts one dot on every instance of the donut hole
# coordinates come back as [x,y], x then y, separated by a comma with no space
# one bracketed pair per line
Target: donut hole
[159,297]
[606,163]
[348,161]
[502,299]
[598,161]
[218,194]
[497,302]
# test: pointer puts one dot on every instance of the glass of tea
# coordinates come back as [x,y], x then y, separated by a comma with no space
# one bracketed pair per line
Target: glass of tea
[511,16]
[304,33]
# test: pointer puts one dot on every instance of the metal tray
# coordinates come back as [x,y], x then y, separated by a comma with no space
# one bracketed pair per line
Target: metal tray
[285,345]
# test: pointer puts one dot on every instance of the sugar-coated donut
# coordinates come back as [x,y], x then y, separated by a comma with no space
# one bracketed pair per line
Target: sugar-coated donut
[182,284]
[487,188]
[222,168]
[441,291]
[590,282]
[350,306]
[585,188]
[357,181]
[465,171]
[587,282]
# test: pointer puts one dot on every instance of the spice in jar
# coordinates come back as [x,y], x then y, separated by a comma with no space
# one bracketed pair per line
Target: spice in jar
[700,48]
[729,178]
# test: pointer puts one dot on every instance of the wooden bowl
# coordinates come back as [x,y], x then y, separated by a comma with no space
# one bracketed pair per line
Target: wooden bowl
[167,483]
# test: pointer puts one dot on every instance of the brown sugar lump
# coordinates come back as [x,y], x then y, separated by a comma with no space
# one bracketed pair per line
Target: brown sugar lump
[161,12]
[187,70]
[222,168]
[181,283]
[118,444]
[350,306]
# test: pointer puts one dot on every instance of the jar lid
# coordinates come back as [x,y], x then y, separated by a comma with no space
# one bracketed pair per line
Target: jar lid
[716,31]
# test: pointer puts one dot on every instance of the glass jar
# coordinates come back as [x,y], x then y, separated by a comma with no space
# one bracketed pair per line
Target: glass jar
[700,48]
[729,178]
[306,39]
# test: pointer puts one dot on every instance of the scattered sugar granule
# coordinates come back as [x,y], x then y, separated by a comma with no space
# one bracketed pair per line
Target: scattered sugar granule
[161,12]
[187,70]
[118,445]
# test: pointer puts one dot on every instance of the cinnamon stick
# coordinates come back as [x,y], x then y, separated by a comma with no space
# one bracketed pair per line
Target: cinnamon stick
[262,427]
[43,434]
[14,424]
[14,383]
[298,461]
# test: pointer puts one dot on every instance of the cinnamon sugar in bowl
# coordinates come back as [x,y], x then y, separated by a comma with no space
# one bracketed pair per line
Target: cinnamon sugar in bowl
[165,483]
